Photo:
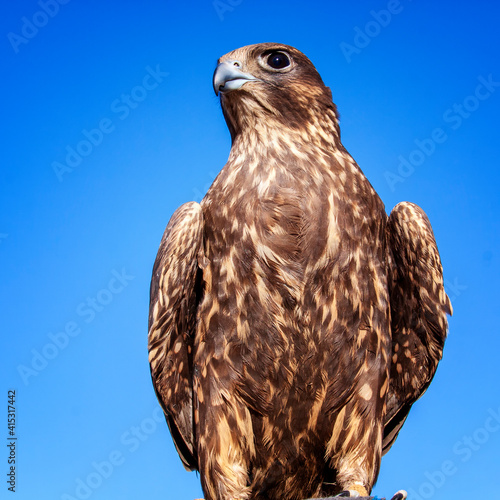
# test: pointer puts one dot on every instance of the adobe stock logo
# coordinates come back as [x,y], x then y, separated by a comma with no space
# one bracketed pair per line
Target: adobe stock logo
[223,6]
[86,310]
[465,448]
[31,27]
[122,108]
[198,195]
[364,36]
[454,117]
[131,441]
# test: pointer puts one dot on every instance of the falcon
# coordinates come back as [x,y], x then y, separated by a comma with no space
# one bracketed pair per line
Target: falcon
[292,323]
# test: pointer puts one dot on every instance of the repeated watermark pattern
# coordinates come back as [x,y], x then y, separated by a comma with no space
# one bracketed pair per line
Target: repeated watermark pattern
[31,26]
[454,117]
[364,36]
[464,449]
[223,6]
[121,107]
[130,441]
[454,289]
[86,311]
[199,194]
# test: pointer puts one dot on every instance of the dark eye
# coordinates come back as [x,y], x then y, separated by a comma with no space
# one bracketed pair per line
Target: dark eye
[278,60]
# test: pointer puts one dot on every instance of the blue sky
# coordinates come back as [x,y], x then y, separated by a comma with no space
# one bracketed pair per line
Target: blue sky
[110,123]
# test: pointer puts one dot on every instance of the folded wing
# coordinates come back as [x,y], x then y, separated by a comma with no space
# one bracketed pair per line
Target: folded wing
[419,306]
[174,296]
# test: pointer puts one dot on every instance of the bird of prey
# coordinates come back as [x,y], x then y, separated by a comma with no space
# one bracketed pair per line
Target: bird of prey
[292,323]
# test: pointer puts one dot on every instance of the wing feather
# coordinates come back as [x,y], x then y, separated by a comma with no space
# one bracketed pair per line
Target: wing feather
[419,306]
[174,297]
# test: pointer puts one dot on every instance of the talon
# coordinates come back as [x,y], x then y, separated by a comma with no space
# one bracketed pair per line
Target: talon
[343,494]
[400,495]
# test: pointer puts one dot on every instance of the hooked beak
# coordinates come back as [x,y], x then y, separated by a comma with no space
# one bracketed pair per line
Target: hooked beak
[228,76]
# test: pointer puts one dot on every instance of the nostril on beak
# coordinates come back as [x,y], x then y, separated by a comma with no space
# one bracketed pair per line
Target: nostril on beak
[228,75]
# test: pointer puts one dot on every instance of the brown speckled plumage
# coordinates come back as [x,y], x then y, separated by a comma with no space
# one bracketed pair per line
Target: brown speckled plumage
[292,323]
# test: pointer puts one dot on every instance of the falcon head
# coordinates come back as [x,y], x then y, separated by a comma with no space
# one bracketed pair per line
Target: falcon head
[271,84]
